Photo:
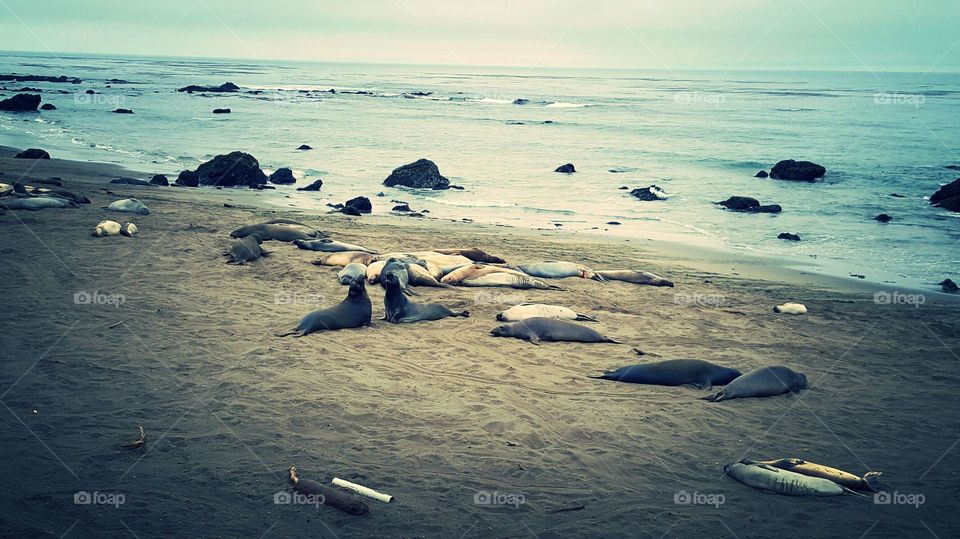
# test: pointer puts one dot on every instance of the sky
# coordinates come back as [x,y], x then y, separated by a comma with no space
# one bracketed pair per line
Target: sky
[874,35]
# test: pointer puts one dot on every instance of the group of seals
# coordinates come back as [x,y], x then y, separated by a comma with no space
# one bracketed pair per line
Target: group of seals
[762,382]
[771,479]
[113,228]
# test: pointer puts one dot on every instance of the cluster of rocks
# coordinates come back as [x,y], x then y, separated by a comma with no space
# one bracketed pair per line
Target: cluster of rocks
[20,103]
[749,205]
[796,171]
[13,77]
[227,87]
[948,196]
[32,153]
[355,206]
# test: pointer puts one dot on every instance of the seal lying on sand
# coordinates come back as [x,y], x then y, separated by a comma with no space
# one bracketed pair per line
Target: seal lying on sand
[246,250]
[770,479]
[635,277]
[473,271]
[473,254]
[400,310]
[275,231]
[129,205]
[397,267]
[352,272]
[344,258]
[674,372]
[353,312]
[870,480]
[762,382]
[555,269]
[35,203]
[509,280]
[421,276]
[532,310]
[549,329]
[329,246]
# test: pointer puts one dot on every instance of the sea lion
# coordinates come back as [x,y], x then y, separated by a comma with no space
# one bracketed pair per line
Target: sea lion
[34,203]
[870,480]
[473,271]
[353,312]
[400,310]
[762,382]
[106,228]
[549,329]
[344,258]
[399,268]
[674,372]
[473,254]
[532,310]
[351,272]
[555,269]
[635,277]
[420,276]
[129,205]
[275,231]
[790,308]
[128,230]
[329,246]
[510,280]
[245,250]
[770,479]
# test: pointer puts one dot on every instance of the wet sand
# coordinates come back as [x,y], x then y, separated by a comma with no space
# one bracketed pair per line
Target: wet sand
[439,413]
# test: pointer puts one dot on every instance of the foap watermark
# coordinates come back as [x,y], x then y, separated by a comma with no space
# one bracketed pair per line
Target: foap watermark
[285,497]
[682,497]
[699,98]
[703,300]
[297,298]
[96,497]
[912,100]
[899,498]
[98,99]
[498,298]
[484,497]
[84,297]
[882,297]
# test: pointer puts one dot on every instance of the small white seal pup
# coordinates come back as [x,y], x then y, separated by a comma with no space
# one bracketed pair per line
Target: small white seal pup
[106,228]
[129,205]
[128,229]
[791,308]
[534,310]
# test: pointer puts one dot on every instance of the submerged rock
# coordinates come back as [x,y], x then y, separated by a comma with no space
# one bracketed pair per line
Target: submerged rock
[761,174]
[282,176]
[649,193]
[884,218]
[520,101]
[421,174]
[123,111]
[566,169]
[749,205]
[801,171]
[948,196]
[33,153]
[221,111]
[315,186]
[948,286]
[21,103]
[48,106]
[13,77]
[225,87]
[304,147]
[401,207]
[788,236]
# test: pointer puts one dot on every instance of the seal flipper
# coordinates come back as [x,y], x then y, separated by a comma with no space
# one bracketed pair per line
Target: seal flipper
[585,318]
[716,397]
[614,341]
[465,314]
[533,338]
[705,385]
[872,479]
[410,292]
[295,332]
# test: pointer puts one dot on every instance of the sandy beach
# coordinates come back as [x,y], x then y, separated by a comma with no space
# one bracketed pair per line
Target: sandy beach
[475,436]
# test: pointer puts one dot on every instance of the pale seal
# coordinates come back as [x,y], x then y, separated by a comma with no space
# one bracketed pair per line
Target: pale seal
[129,205]
[344,258]
[549,329]
[509,280]
[555,269]
[869,481]
[532,310]
[329,246]
[635,277]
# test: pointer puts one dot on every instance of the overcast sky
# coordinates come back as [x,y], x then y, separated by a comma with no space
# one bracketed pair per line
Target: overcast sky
[669,34]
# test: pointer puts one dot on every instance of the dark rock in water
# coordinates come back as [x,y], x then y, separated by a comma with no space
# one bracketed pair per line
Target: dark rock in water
[225,87]
[401,207]
[90,92]
[160,180]
[304,147]
[315,186]
[548,121]
[282,176]
[421,174]
[457,187]
[188,178]
[258,186]
[347,210]
[48,106]
[649,193]
[566,169]
[520,101]
[761,174]
[895,195]
[613,222]
[415,214]
[948,196]
[132,181]
[123,111]
[21,103]
[953,167]
[949,286]
[623,188]
[33,153]
[231,170]
[800,171]
[361,204]
[419,94]
[883,218]
[221,111]
[381,194]
[750,205]
[788,236]
[38,78]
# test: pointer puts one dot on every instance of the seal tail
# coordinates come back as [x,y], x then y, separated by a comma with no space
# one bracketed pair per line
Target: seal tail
[601,377]
[614,341]
[291,332]
[599,278]
[855,493]
[873,480]
[465,314]
[580,317]
[716,397]
[410,292]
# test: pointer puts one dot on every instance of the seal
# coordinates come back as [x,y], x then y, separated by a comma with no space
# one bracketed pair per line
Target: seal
[770,479]
[531,310]
[555,269]
[472,271]
[445,261]
[129,205]
[106,228]
[549,329]
[245,250]
[373,271]
[674,372]
[352,272]
[791,308]
[421,276]
[870,480]
[128,229]
[35,203]
[762,382]
[329,246]
[473,254]
[353,312]
[397,267]
[635,277]
[509,280]
[399,310]
[275,231]
[344,258]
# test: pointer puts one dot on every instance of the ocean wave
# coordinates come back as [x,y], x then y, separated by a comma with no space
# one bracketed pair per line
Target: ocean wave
[563,105]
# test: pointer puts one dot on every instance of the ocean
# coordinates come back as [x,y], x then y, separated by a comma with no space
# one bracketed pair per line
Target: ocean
[699,135]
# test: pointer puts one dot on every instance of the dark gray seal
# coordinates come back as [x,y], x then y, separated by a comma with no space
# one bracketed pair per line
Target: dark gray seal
[246,250]
[762,382]
[279,230]
[549,329]
[397,267]
[399,310]
[674,372]
[353,312]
